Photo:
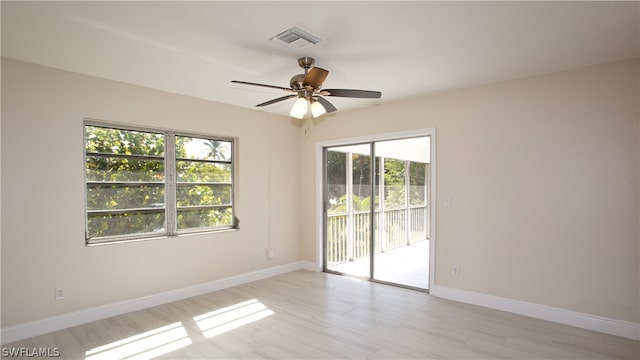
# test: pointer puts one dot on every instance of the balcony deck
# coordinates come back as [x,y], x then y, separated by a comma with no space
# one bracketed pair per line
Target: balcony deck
[406,265]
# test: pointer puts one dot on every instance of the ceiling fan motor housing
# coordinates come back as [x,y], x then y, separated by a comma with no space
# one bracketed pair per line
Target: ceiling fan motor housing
[296,82]
[306,63]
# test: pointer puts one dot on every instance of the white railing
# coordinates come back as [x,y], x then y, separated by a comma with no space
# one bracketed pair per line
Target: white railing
[348,235]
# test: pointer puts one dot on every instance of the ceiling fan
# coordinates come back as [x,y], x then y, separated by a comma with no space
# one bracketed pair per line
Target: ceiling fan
[307,88]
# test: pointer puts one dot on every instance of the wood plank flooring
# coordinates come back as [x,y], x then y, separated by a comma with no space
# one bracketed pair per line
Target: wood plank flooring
[307,315]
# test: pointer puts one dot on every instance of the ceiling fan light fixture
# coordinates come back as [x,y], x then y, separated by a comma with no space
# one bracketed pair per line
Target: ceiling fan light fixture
[300,108]
[317,109]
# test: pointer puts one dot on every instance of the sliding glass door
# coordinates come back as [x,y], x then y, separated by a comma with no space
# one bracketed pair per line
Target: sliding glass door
[348,199]
[377,210]
[401,232]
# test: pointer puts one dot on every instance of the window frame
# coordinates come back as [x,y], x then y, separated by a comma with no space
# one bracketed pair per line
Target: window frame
[169,183]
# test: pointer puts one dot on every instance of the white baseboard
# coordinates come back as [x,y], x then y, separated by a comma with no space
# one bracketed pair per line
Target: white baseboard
[616,327]
[310,266]
[38,327]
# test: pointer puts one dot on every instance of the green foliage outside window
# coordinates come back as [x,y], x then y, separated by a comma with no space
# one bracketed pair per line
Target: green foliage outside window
[394,181]
[126,185]
[201,182]
[417,183]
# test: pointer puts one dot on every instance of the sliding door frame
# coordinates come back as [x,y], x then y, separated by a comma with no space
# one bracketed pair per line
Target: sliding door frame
[320,193]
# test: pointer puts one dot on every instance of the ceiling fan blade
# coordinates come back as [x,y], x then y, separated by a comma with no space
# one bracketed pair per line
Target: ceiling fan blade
[263,85]
[277,100]
[365,94]
[315,77]
[327,105]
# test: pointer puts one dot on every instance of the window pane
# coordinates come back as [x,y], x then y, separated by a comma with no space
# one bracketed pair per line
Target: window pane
[203,194]
[361,172]
[102,225]
[202,149]
[125,142]
[101,168]
[417,183]
[119,166]
[192,171]
[337,182]
[203,218]
[124,196]
[394,183]
[204,175]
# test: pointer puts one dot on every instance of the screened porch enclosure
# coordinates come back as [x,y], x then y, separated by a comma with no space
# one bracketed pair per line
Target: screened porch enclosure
[400,227]
[398,185]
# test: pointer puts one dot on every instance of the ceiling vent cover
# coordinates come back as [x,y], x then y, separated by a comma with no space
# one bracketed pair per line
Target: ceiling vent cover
[295,38]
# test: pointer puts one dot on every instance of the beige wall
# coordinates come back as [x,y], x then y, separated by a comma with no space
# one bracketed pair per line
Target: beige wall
[42,194]
[543,175]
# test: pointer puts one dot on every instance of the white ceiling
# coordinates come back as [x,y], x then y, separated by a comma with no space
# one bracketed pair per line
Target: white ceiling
[404,49]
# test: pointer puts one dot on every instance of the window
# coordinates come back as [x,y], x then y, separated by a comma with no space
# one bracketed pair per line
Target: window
[146,183]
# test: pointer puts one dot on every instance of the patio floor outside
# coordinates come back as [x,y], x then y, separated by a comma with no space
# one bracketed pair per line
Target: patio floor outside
[406,265]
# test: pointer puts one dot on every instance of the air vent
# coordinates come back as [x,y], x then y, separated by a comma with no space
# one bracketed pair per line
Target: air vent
[295,38]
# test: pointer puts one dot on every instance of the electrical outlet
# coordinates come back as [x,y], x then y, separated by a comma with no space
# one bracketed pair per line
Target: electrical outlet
[256,256]
[271,253]
[455,270]
[59,294]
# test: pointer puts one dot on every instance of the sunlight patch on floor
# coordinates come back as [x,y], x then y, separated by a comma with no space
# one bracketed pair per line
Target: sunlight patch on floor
[232,317]
[166,339]
[146,345]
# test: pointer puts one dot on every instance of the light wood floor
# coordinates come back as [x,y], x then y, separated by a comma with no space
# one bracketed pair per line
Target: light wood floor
[307,315]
